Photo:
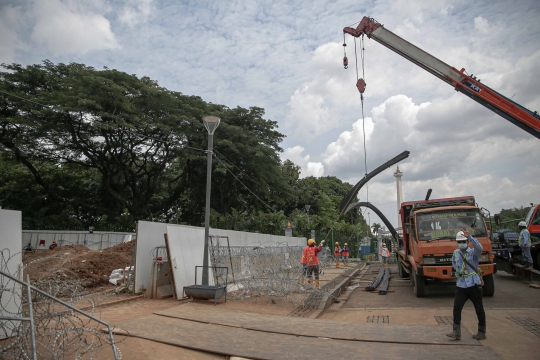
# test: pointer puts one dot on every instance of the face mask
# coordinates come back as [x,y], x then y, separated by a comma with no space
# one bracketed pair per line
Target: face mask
[463,246]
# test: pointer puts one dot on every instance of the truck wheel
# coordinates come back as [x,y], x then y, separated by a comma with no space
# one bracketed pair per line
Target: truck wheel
[401,270]
[419,285]
[489,285]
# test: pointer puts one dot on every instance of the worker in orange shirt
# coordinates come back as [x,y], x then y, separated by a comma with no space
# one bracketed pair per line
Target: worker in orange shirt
[303,262]
[345,255]
[337,254]
[312,261]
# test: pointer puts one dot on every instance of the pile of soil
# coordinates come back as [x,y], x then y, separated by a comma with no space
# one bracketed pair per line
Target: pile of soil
[91,267]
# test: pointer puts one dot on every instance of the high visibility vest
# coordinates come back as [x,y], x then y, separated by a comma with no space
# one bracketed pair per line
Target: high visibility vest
[463,264]
[311,256]
[385,252]
[303,260]
[337,251]
[520,240]
[345,251]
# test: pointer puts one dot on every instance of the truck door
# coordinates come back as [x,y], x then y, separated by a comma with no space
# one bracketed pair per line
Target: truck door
[533,220]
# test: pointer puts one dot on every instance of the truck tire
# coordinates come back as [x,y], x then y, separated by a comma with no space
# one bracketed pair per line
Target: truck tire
[401,271]
[419,285]
[489,285]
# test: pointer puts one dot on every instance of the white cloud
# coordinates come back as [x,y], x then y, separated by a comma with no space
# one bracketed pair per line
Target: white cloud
[8,40]
[136,11]
[481,24]
[66,29]
[309,168]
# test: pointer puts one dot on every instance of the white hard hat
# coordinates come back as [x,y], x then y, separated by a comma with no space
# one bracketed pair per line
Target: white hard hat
[460,236]
[522,223]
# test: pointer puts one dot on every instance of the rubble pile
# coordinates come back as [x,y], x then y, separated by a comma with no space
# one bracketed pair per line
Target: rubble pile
[91,267]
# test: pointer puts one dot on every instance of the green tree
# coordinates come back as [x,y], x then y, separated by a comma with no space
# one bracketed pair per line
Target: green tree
[109,147]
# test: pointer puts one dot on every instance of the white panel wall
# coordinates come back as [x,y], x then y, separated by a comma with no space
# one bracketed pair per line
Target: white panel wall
[96,241]
[186,250]
[10,262]
[151,235]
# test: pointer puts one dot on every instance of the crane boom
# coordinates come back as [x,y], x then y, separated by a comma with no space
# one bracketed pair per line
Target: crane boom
[468,85]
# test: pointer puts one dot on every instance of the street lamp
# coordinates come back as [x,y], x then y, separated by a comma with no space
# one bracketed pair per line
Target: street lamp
[307,210]
[210,123]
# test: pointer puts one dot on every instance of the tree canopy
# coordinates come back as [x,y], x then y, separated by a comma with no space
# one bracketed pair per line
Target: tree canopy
[82,147]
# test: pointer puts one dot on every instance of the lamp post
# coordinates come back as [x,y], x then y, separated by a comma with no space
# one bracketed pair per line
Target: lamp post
[210,123]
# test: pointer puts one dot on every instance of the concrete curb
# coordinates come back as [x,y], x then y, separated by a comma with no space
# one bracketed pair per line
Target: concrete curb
[334,293]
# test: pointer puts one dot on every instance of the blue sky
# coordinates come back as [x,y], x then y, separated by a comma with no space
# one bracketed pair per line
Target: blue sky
[285,56]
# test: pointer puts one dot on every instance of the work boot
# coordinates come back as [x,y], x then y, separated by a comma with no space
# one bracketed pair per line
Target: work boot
[337,265]
[481,333]
[456,334]
[529,265]
[309,280]
[318,287]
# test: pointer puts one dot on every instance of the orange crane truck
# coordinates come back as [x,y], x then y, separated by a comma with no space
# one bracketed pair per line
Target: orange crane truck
[429,240]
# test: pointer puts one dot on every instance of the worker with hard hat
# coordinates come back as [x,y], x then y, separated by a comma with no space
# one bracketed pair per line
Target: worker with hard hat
[524,242]
[385,254]
[345,255]
[312,261]
[469,283]
[303,262]
[337,254]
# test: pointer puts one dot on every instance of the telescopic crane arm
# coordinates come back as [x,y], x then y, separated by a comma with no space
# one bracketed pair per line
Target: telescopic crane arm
[468,85]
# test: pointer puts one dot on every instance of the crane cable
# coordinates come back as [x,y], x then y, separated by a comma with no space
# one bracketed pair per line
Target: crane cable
[361,42]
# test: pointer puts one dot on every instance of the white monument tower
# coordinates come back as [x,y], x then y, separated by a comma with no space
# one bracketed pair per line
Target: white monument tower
[398,174]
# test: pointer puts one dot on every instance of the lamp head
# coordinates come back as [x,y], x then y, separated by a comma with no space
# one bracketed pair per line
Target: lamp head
[211,123]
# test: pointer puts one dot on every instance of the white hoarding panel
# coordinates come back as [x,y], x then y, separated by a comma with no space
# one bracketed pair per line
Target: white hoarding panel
[10,262]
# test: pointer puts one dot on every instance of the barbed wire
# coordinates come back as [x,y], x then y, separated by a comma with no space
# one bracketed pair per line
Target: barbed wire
[60,332]
[264,269]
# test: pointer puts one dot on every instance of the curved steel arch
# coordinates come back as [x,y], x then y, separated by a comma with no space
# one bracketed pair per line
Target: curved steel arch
[378,212]
[352,193]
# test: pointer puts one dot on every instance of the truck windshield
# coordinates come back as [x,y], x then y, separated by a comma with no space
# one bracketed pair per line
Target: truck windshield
[445,224]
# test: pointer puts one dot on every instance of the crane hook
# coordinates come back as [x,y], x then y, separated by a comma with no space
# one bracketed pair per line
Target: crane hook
[361,85]
[345,60]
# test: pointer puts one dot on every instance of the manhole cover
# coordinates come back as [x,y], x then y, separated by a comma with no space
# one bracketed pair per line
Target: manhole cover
[381,319]
[444,320]
[527,323]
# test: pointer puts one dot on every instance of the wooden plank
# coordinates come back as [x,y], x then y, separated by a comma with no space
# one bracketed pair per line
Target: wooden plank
[405,334]
[261,345]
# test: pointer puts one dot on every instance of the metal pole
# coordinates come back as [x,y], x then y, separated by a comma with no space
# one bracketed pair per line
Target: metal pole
[207,212]
[31,316]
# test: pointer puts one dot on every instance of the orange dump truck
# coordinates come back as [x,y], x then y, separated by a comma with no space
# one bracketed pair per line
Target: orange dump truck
[429,240]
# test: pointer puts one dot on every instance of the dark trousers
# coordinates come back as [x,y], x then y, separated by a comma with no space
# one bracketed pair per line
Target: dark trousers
[462,295]
[313,269]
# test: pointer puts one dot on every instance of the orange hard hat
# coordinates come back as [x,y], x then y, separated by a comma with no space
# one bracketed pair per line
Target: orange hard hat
[311,241]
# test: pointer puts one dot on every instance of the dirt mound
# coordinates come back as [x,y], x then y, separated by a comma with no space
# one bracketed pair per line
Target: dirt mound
[91,267]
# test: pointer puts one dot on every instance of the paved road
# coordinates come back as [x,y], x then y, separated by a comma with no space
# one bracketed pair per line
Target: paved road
[510,292]
[513,313]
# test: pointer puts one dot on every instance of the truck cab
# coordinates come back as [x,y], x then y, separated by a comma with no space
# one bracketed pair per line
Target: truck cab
[532,220]
[430,228]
